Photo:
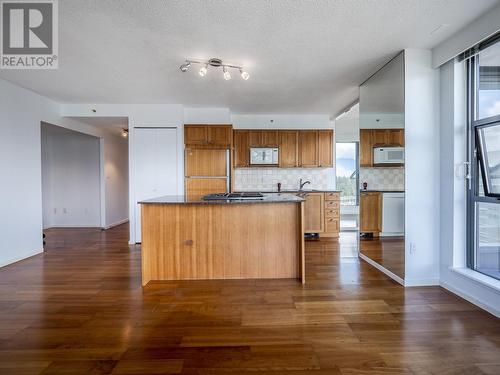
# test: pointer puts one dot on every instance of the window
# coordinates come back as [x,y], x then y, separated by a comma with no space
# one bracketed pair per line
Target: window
[347,173]
[483,203]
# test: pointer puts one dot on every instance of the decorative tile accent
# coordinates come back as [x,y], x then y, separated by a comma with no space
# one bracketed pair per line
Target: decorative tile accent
[382,178]
[266,179]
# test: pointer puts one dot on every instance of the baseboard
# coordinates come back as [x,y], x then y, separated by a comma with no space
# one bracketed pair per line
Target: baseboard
[74,226]
[116,224]
[422,282]
[471,299]
[18,259]
[382,269]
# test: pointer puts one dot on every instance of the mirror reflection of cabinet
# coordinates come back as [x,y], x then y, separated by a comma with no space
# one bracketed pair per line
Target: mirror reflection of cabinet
[382,115]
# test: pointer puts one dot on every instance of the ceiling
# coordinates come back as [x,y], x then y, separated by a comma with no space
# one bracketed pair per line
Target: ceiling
[303,56]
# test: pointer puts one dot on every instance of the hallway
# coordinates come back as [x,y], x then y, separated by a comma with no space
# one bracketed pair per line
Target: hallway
[80,308]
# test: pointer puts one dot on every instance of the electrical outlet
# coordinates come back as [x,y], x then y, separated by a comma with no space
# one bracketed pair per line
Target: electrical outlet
[55,210]
[65,210]
[413,248]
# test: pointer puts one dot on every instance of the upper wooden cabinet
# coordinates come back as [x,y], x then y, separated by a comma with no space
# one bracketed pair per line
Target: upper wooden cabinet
[208,135]
[370,138]
[241,148]
[325,148]
[308,148]
[288,148]
[298,148]
[365,148]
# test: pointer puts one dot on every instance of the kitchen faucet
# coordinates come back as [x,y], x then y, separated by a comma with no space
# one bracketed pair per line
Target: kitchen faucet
[302,184]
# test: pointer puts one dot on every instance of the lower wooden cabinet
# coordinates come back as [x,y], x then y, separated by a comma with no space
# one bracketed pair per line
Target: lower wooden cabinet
[197,188]
[322,213]
[370,212]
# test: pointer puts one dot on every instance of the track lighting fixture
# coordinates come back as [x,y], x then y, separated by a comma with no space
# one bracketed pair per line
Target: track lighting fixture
[215,63]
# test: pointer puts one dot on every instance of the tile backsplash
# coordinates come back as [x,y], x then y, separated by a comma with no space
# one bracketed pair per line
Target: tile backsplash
[266,179]
[382,178]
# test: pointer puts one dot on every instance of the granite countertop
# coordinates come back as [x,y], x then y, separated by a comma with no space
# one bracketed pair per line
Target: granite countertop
[381,191]
[268,198]
[292,191]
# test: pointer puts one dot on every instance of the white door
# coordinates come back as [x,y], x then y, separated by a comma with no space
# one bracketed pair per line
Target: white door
[155,167]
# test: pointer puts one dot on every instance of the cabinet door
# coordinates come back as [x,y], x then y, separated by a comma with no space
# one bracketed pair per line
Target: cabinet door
[379,137]
[288,148]
[365,148]
[206,162]
[396,137]
[308,148]
[370,211]
[219,135]
[270,138]
[195,134]
[255,138]
[196,188]
[314,213]
[325,146]
[241,149]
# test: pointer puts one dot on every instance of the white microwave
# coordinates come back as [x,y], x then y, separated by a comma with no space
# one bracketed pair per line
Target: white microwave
[264,155]
[388,155]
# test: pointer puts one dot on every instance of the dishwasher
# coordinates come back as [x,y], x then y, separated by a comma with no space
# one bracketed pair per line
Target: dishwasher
[393,214]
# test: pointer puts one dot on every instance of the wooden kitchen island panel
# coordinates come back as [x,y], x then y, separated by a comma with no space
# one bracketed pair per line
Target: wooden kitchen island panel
[222,241]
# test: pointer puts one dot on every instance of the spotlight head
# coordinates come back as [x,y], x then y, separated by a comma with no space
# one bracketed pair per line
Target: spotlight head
[244,74]
[184,67]
[227,75]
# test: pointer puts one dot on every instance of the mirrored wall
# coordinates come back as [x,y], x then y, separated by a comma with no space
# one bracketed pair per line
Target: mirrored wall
[382,168]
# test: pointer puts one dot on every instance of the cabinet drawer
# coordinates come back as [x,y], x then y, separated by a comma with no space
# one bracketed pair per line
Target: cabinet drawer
[332,214]
[332,196]
[329,205]
[331,225]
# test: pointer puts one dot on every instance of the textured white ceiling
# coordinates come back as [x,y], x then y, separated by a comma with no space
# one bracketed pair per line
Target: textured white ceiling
[303,56]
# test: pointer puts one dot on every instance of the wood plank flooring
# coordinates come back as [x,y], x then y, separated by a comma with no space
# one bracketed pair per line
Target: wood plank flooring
[389,252]
[79,309]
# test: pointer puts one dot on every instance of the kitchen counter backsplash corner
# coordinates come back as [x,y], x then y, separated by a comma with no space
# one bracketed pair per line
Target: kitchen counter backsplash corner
[267,179]
[389,179]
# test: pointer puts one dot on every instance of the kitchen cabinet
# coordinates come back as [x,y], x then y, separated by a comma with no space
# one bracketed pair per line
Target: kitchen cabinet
[197,188]
[270,138]
[370,212]
[288,142]
[322,213]
[308,148]
[206,162]
[314,213]
[241,148]
[208,135]
[365,148]
[325,148]
[370,138]
[297,148]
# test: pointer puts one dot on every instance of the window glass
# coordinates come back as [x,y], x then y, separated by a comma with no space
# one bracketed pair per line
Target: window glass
[489,82]
[488,239]
[489,148]
[346,171]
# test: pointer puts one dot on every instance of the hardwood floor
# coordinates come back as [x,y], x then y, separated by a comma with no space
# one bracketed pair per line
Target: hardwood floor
[79,309]
[389,252]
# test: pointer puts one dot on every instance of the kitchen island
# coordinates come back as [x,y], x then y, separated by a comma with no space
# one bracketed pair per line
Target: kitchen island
[185,239]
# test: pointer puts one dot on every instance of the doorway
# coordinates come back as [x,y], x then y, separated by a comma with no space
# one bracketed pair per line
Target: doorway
[347,181]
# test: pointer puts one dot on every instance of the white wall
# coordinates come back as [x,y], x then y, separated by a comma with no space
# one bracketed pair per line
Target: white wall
[422,169]
[207,116]
[71,179]
[281,121]
[21,112]
[347,126]
[116,180]
[480,29]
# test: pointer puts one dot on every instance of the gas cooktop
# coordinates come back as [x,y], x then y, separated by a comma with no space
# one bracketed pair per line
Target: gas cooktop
[233,196]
